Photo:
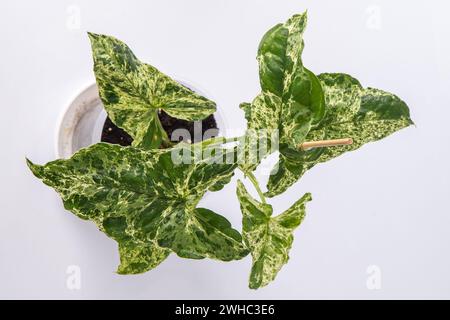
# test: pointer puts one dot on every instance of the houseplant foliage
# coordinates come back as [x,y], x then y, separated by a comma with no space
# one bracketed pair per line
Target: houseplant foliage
[148,203]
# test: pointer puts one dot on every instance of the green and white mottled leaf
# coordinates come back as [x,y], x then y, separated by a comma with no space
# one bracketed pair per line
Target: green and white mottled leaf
[135,256]
[138,258]
[146,201]
[268,238]
[364,115]
[292,99]
[133,92]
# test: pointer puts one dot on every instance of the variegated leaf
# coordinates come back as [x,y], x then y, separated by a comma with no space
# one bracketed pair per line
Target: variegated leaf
[364,115]
[291,100]
[138,258]
[268,238]
[146,201]
[133,92]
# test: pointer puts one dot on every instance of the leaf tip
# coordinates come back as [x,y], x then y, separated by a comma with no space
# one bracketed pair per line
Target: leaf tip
[33,167]
[257,283]
[28,161]
[302,19]
[307,197]
[121,271]
[240,189]
[244,105]
[92,35]
[253,286]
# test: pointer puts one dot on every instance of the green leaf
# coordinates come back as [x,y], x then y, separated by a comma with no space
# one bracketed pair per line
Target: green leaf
[138,258]
[147,198]
[268,238]
[292,99]
[135,257]
[133,92]
[364,115]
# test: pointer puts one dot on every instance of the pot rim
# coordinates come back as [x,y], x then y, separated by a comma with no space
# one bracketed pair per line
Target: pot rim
[86,96]
[71,104]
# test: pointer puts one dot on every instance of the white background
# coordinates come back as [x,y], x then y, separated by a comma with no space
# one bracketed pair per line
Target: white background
[386,204]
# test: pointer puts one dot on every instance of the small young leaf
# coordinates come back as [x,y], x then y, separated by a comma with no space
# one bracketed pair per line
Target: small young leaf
[364,115]
[268,238]
[133,92]
[144,196]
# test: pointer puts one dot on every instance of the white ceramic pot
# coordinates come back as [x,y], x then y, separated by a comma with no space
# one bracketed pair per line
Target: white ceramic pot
[82,121]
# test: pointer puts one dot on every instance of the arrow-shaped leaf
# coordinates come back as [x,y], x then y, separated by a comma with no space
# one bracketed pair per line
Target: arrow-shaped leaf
[364,115]
[268,238]
[133,92]
[146,201]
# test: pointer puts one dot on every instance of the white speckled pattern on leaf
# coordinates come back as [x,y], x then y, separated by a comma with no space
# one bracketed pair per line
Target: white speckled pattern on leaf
[133,92]
[268,238]
[364,115]
[146,202]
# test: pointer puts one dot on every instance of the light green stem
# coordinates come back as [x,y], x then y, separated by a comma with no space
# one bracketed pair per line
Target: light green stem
[219,140]
[249,175]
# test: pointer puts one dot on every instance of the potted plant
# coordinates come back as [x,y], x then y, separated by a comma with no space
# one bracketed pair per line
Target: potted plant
[145,196]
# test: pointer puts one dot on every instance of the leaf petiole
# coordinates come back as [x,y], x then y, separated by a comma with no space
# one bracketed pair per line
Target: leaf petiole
[255,183]
[219,140]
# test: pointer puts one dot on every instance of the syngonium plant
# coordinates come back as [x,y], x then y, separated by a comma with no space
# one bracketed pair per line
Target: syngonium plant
[139,196]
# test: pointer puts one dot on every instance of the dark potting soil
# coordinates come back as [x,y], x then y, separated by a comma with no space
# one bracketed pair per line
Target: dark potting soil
[115,135]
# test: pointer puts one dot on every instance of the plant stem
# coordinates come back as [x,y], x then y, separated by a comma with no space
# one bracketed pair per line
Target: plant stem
[304,146]
[249,175]
[255,183]
[219,140]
